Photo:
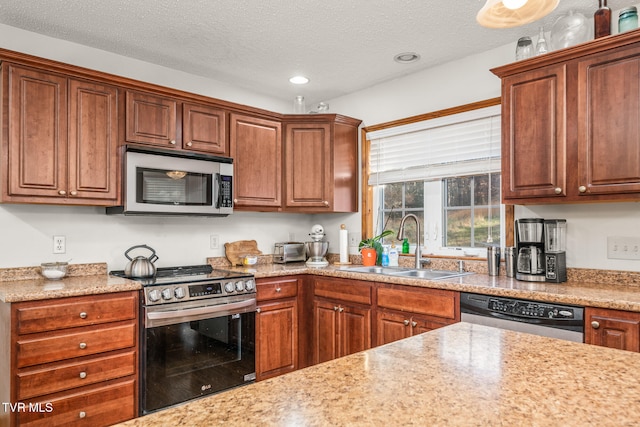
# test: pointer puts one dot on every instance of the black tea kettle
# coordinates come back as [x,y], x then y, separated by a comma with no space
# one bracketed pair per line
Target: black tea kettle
[140,267]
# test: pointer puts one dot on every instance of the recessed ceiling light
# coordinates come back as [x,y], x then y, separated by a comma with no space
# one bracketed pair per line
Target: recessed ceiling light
[299,80]
[406,58]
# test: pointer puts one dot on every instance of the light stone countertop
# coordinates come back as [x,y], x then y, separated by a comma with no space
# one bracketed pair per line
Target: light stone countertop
[459,375]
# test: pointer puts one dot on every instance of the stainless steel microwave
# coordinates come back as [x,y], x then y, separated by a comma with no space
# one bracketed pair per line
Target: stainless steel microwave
[162,182]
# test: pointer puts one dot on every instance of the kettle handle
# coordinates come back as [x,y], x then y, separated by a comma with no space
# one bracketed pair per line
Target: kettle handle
[152,258]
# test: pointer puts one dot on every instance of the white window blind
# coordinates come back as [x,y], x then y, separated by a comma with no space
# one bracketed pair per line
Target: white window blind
[457,145]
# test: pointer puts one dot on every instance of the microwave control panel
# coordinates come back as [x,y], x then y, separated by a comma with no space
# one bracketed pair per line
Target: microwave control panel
[225,191]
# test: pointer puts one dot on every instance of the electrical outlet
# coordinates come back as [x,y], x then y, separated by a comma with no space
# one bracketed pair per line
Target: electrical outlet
[292,237]
[59,244]
[354,239]
[214,241]
[620,247]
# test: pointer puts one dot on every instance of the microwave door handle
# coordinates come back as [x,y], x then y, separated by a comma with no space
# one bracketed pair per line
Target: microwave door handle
[219,185]
[189,312]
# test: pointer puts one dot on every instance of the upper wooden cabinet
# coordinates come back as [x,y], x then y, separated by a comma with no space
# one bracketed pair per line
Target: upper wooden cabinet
[173,123]
[60,139]
[256,148]
[321,164]
[570,128]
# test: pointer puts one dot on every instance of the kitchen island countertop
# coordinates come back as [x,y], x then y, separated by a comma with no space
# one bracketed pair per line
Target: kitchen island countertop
[459,375]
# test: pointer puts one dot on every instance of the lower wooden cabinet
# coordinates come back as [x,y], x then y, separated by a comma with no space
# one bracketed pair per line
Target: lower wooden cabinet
[276,327]
[404,311]
[72,361]
[612,328]
[342,318]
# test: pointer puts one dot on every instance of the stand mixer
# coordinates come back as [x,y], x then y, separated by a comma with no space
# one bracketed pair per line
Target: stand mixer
[317,248]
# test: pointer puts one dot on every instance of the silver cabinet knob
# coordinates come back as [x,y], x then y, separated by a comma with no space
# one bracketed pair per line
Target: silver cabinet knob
[83,345]
[258,310]
[74,193]
[595,325]
[235,200]
[406,323]
[582,189]
[325,203]
[82,414]
[189,144]
[414,324]
[172,142]
[558,190]
[341,309]
[278,289]
[335,308]
[62,192]
[83,375]
[83,315]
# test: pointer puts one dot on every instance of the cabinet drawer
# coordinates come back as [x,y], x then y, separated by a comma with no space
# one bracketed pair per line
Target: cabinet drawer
[345,290]
[41,316]
[101,406]
[431,302]
[33,351]
[39,382]
[266,290]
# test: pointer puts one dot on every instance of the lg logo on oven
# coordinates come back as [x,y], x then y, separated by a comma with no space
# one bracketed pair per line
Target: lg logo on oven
[205,387]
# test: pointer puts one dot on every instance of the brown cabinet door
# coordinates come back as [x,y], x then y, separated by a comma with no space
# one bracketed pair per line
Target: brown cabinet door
[308,170]
[612,328]
[256,147]
[608,123]
[204,129]
[325,319]
[354,329]
[37,132]
[534,134]
[277,338]
[151,119]
[392,326]
[93,140]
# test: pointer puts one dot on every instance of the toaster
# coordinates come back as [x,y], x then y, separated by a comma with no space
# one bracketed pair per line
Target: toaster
[288,252]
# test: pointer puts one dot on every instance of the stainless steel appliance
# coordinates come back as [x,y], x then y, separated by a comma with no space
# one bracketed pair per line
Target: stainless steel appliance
[163,182]
[555,257]
[140,267]
[288,252]
[530,247]
[197,334]
[549,320]
[317,248]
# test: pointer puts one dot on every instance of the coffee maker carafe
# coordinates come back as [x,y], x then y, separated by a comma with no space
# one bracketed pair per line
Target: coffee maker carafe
[530,242]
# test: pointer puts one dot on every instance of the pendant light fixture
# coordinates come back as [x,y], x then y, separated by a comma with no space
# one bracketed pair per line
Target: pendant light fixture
[513,13]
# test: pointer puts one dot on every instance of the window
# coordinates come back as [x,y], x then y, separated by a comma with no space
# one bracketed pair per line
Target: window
[446,171]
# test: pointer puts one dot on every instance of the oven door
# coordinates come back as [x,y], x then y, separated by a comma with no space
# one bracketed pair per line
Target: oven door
[191,349]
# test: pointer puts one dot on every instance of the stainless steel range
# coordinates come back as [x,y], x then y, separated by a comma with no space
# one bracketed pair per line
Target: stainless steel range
[197,334]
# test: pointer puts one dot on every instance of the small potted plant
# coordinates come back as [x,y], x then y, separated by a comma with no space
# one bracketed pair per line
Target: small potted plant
[371,249]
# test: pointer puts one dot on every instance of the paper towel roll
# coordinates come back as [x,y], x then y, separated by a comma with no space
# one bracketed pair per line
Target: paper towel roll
[344,244]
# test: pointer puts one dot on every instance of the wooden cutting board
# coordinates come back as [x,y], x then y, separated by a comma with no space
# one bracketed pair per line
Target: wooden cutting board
[235,251]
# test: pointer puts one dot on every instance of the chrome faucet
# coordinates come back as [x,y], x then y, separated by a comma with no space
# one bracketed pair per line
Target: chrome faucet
[419,259]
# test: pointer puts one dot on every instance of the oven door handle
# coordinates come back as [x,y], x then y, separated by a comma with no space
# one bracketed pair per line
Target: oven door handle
[191,312]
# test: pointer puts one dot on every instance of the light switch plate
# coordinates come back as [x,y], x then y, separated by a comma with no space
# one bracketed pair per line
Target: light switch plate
[623,247]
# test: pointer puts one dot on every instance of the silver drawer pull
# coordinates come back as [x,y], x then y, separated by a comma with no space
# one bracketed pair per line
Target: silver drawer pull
[406,323]
[278,289]
[83,345]
[414,324]
[83,315]
[82,414]
[83,375]
[595,325]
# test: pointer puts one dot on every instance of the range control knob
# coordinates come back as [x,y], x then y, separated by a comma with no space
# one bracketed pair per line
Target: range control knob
[229,287]
[250,285]
[239,286]
[167,294]
[154,295]
[179,292]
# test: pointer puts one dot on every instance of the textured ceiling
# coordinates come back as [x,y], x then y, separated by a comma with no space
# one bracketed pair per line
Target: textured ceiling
[341,45]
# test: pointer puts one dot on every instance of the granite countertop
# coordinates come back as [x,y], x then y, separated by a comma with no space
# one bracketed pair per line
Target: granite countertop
[26,284]
[461,374]
[596,289]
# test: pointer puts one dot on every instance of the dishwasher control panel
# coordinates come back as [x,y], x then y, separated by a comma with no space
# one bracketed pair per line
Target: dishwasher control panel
[530,309]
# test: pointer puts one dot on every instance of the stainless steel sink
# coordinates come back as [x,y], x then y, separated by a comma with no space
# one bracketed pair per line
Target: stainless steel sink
[407,272]
[378,270]
[431,274]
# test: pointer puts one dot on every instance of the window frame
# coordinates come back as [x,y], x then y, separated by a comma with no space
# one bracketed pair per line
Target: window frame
[367,191]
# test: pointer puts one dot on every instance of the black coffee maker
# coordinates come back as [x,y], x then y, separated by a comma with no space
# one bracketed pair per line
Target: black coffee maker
[540,246]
